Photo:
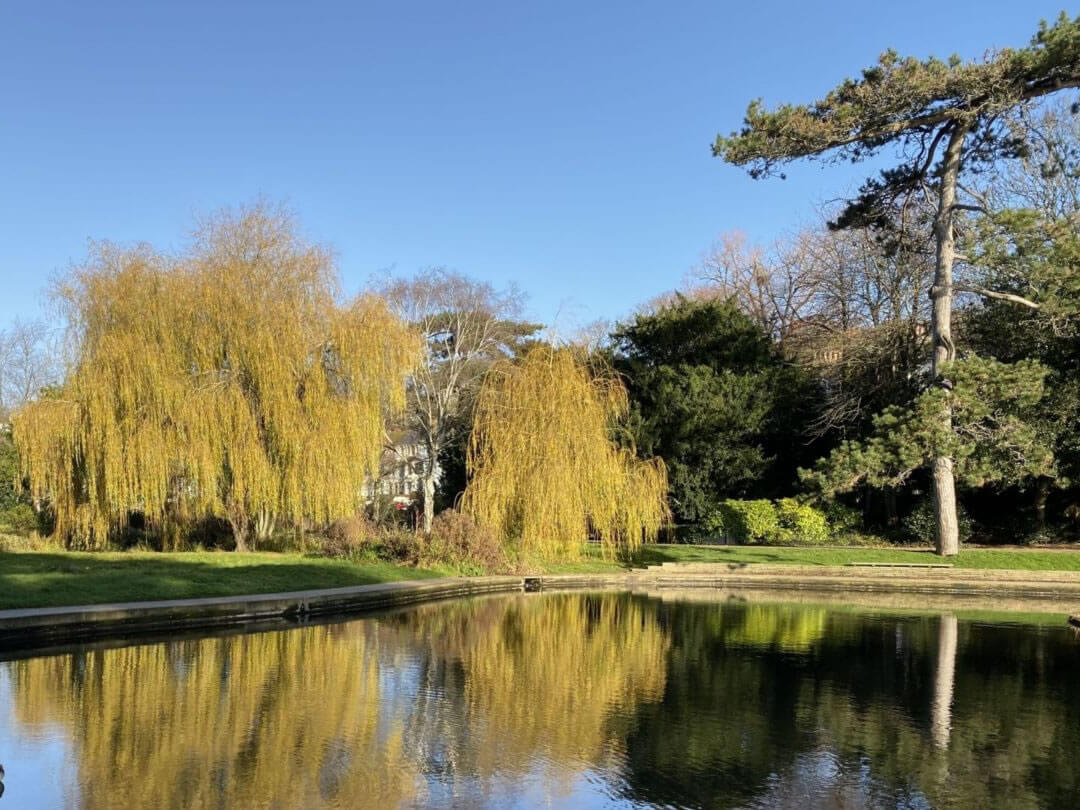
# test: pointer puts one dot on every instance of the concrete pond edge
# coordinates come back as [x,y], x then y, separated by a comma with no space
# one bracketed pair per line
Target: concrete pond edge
[28,628]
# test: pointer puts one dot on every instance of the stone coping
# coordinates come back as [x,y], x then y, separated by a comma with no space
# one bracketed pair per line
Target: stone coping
[38,627]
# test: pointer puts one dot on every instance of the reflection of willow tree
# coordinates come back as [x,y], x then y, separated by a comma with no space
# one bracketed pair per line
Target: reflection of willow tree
[556,679]
[685,704]
[284,719]
[734,728]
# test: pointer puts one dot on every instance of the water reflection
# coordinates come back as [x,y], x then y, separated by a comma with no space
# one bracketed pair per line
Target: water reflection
[557,699]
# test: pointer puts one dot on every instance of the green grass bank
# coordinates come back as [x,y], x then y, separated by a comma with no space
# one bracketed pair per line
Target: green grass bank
[57,578]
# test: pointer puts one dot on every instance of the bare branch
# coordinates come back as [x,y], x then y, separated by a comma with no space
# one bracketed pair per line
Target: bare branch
[998,296]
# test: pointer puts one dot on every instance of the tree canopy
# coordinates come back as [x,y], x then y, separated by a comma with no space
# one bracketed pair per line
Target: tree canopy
[712,396]
[225,381]
[907,98]
[467,325]
[545,473]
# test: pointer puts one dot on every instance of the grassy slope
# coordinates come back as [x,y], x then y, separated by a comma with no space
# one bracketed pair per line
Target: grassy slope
[39,579]
[32,579]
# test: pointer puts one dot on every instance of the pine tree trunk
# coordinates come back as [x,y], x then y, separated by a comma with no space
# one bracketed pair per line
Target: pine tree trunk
[891,517]
[948,529]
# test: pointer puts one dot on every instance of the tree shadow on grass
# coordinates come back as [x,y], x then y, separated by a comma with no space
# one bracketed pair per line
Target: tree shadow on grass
[33,579]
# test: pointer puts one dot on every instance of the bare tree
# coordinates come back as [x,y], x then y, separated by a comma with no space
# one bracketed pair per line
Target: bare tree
[29,361]
[771,287]
[467,324]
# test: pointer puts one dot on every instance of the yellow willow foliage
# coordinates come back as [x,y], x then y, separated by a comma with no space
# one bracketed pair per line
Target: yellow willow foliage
[287,719]
[544,471]
[226,382]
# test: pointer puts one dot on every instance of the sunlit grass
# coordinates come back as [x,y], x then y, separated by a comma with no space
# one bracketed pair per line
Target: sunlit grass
[1019,559]
[33,579]
[41,579]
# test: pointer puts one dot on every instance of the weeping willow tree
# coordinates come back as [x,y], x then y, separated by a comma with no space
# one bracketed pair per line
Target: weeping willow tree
[544,472]
[224,382]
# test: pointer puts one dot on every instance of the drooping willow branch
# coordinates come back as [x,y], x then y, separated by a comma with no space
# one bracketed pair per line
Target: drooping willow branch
[225,382]
[545,473]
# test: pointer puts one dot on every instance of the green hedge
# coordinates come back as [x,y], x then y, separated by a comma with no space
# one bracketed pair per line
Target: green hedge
[801,523]
[760,521]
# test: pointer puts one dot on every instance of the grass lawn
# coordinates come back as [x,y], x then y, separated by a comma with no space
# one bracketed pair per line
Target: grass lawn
[41,579]
[1021,559]
[45,579]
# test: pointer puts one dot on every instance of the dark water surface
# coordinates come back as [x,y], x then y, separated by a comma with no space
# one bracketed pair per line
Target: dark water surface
[558,700]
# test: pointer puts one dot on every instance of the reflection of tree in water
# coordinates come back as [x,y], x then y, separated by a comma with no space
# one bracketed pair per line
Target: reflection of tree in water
[686,704]
[853,716]
[284,719]
[553,680]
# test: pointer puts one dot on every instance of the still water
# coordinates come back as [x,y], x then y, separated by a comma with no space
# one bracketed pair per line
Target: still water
[558,700]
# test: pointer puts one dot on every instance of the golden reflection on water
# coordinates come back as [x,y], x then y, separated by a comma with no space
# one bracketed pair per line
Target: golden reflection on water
[282,719]
[551,679]
[467,703]
[303,718]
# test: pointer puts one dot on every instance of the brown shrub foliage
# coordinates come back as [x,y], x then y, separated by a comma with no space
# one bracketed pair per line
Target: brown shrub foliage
[458,540]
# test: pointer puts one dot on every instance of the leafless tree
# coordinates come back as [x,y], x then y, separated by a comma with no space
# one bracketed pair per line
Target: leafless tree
[29,360]
[851,305]
[466,324]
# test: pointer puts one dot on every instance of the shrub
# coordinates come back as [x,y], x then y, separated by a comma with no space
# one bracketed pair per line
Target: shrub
[748,521]
[921,523]
[800,522]
[398,544]
[457,540]
[842,519]
[349,536]
[18,518]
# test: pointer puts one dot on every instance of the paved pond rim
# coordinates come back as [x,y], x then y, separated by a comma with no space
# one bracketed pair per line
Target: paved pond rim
[1003,591]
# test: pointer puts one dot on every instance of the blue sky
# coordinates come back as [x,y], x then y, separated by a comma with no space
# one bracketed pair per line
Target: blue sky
[563,146]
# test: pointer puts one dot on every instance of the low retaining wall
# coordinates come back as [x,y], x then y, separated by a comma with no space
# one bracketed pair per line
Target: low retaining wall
[38,627]
[34,627]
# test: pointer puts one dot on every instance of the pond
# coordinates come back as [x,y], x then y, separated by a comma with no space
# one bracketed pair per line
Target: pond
[558,700]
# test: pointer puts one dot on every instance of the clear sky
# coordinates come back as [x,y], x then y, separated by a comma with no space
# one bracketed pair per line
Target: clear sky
[560,145]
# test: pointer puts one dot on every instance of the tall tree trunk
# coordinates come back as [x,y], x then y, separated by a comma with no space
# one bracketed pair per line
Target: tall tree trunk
[265,522]
[428,482]
[948,529]
[240,522]
[891,517]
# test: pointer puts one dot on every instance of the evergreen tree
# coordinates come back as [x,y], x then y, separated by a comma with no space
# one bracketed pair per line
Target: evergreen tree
[946,119]
[712,396]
